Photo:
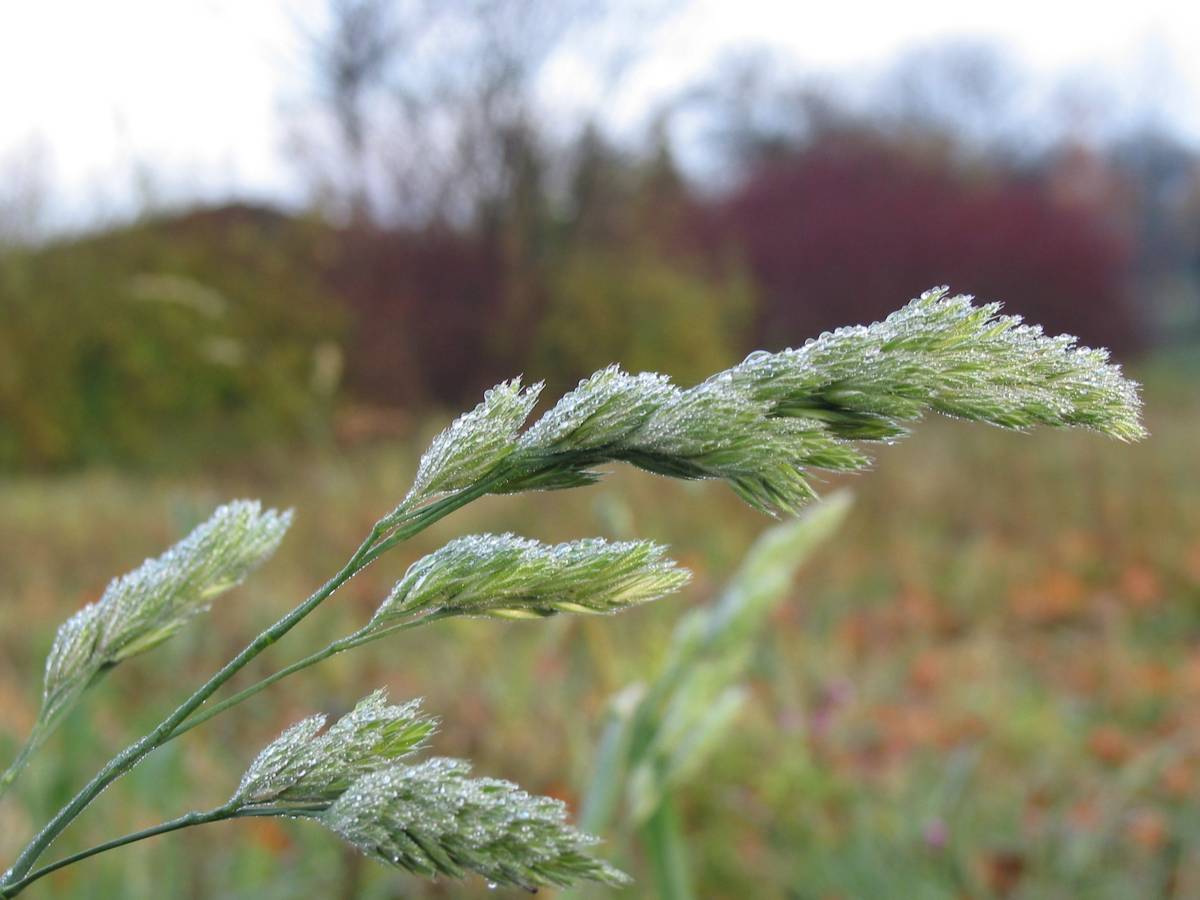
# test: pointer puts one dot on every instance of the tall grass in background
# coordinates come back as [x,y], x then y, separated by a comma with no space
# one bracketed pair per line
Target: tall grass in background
[657,735]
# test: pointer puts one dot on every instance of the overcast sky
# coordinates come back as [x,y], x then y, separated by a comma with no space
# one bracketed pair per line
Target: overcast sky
[195,91]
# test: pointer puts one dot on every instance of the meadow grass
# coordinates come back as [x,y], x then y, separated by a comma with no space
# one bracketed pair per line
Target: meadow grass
[985,687]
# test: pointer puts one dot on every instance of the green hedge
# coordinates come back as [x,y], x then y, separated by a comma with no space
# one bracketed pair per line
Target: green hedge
[152,343]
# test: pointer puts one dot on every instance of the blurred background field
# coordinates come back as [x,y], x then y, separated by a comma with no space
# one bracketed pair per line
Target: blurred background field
[985,686]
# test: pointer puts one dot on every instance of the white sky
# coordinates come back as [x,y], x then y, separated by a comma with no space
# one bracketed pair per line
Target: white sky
[194,90]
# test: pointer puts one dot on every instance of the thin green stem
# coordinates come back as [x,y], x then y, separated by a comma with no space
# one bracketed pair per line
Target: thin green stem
[193,818]
[360,637]
[253,689]
[363,636]
[386,534]
[665,849]
[220,814]
[413,523]
[18,764]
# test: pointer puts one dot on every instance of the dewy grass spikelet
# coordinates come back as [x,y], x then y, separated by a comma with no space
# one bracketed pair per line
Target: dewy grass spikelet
[763,423]
[513,577]
[474,442]
[145,607]
[944,353]
[432,819]
[601,412]
[305,766]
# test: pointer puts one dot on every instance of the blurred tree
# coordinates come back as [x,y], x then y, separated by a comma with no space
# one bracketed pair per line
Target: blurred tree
[622,283]
[642,311]
[351,62]
[23,193]
[619,198]
[1056,199]
[967,95]
[1164,179]
[859,219]
[424,304]
[200,334]
[447,180]
[599,190]
[425,108]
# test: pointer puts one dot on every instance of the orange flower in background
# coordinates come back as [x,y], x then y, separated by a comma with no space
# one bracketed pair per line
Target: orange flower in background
[919,609]
[1148,829]
[1085,675]
[854,633]
[1152,679]
[1191,564]
[928,671]
[1109,744]
[1179,780]
[906,727]
[1077,547]
[270,834]
[1140,586]
[1085,816]
[1003,870]
[1189,676]
[1058,596]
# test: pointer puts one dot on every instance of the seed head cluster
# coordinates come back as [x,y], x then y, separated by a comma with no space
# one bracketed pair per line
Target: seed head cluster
[508,576]
[433,819]
[143,608]
[474,442]
[763,424]
[306,765]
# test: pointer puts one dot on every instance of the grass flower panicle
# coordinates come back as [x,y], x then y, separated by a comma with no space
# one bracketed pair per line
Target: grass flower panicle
[764,423]
[143,608]
[305,765]
[474,442]
[601,412]
[433,819]
[945,354]
[513,577]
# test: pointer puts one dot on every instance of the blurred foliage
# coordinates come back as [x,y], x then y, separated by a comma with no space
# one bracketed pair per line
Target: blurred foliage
[834,229]
[643,312]
[149,343]
[462,235]
[658,736]
[423,307]
[198,335]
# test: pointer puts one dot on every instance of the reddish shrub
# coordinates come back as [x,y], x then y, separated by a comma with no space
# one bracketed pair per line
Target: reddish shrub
[424,306]
[843,229]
